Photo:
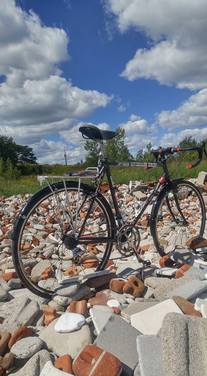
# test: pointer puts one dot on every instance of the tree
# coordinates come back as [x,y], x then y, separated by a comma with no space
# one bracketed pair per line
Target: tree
[14,152]
[117,150]
[186,143]
[25,154]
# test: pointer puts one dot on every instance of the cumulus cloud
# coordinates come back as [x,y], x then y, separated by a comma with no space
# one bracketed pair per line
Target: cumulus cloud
[177,30]
[138,133]
[192,113]
[35,100]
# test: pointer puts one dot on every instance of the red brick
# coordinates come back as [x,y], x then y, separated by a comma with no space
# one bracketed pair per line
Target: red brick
[94,361]
[64,363]
[4,339]
[117,285]
[50,314]
[78,307]
[134,286]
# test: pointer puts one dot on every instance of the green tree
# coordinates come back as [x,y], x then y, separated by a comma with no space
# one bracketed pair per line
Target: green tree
[117,150]
[188,142]
[14,152]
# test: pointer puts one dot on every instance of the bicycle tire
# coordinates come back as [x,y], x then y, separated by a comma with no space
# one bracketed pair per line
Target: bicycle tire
[24,226]
[157,225]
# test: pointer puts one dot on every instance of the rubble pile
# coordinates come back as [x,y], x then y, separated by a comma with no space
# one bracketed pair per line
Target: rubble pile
[124,321]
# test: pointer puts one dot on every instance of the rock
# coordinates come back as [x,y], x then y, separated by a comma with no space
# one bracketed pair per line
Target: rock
[136,307]
[190,290]
[117,328]
[38,269]
[4,295]
[64,363]
[50,370]
[69,322]
[100,316]
[150,320]
[62,300]
[65,343]
[9,275]
[202,178]
[185,306]
[68,290]
[18,334]
[95,361]
[113,303]
[24,313]
[7,361]
[78,307]
[25,348]
[4,339]
[150,355]
[15,283]
[34,365]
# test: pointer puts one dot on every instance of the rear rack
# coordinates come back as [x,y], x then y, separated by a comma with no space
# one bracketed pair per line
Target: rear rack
[88,173]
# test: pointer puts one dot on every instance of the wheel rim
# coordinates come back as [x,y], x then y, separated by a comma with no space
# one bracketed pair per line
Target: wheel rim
[177,222]
[45,258]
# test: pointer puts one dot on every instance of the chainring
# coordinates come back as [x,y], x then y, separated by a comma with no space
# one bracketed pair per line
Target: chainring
[128,240]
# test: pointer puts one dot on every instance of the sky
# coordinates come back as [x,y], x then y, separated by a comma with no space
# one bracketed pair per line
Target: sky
[136,64]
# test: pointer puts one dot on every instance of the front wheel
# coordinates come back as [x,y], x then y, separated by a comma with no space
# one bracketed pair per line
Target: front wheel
[64,232]
[178,215]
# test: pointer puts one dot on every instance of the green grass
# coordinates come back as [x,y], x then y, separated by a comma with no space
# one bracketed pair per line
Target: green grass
[29,184]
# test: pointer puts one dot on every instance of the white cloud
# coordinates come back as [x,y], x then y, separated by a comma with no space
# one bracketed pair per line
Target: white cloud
[138,133]
[192,113]
[35,100]
[177,30]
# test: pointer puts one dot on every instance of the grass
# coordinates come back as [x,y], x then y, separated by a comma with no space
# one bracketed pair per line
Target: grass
[29,184]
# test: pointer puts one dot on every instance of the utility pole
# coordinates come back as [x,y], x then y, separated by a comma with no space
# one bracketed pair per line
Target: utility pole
[65,156]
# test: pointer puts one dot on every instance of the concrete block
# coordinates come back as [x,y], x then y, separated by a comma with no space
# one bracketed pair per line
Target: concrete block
[190,290]
[119,338]
[149,354]
[150,320]
[138,307]
[174,342]
[197,333]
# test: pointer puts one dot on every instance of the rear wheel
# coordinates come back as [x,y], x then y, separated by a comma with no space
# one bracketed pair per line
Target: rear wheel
[61,235]
[178,215]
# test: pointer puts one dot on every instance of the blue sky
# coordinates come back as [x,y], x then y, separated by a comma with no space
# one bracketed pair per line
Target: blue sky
[132,63]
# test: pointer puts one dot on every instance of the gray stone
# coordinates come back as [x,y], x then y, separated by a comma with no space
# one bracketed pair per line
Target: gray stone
[4,295]
[100,315]
[150,356]
[119,338]
[65,343]
[62,300]
[68,290]
[23,312]
[75,292]
[27,347]
[174,340]
[38,269]
[15,283]
[34,365]
[190,290]
[138,307]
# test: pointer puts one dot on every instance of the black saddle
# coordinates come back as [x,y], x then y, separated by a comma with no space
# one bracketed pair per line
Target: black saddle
[93,133]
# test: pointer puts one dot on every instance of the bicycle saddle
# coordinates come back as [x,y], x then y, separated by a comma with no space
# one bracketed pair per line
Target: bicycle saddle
[94,133]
